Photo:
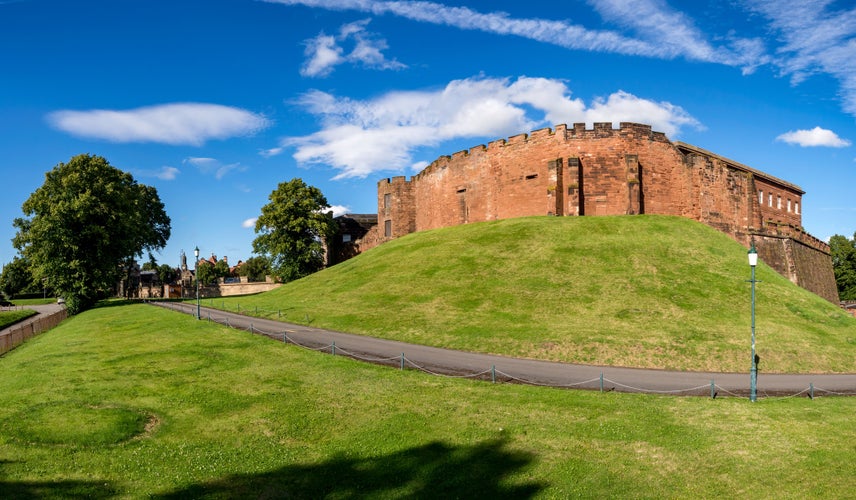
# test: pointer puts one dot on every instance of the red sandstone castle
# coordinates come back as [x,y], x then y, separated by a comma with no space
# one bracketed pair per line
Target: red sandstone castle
[601,171]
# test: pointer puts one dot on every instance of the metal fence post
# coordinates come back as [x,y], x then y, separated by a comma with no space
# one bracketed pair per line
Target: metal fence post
[712,389]
[811,390]
[334,348]
[601,381]
[493,373]
[402,361]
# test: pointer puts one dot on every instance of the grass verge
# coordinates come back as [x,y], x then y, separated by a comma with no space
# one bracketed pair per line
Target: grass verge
[136,401]
[8,318]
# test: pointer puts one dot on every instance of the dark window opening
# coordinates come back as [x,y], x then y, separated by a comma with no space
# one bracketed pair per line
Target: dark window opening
[531,176]
[387,228]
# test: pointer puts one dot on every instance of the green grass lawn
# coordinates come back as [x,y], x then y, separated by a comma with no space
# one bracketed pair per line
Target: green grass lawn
[11,317]
[135,401]
[643,291]
[34,302]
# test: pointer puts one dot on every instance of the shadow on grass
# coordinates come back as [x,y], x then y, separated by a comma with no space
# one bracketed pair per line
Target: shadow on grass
[56,489]
[436,470]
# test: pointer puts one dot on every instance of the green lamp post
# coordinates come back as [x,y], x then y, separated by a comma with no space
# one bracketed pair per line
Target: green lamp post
[753,375]
[195,271]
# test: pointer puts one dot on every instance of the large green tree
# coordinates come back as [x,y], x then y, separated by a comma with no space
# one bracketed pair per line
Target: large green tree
[844,265]
[291,229]
[84,223]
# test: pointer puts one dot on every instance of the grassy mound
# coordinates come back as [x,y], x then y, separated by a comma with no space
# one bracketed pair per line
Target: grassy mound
[644,291]
[136,401]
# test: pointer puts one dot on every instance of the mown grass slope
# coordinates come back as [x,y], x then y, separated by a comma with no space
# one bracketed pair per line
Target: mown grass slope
[134,401]
[644,291]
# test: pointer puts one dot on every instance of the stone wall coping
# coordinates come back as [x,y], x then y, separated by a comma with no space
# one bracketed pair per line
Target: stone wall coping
[739,166]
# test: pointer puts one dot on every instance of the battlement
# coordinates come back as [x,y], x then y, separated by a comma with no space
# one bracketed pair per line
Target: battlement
[560,132]
[605,170]
[397,180]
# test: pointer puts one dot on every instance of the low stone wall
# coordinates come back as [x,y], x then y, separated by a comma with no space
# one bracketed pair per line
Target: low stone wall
[232,289]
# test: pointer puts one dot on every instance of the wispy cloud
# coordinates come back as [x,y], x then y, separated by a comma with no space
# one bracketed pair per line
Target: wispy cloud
[325,52]
[165,173]
[676,34]
[249,223]
[661,31]
[359,138]
[178,123]
[814,36]
[815,39]
[212,166]
[814,137]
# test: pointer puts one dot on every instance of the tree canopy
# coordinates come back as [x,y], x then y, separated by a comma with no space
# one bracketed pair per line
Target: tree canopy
[291,229]
[18,279]
[255,268]
[83,223]
[844,265]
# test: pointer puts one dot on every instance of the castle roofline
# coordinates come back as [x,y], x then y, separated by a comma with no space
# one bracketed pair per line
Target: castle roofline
[684,147]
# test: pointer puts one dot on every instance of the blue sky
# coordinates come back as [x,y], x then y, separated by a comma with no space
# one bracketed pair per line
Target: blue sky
[216,102]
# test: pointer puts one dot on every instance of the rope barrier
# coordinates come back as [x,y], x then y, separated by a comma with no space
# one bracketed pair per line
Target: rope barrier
[637,389]
[334,349]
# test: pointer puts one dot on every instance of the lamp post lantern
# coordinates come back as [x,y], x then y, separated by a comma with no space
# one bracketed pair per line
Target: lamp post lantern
[196,274]
[753,374]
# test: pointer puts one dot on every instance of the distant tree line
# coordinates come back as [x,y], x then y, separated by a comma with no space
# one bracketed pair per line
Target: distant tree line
[844,264]
[84,228]
[254,268]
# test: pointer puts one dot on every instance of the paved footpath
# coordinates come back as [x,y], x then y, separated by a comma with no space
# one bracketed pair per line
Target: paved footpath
[42,310]
[452,362]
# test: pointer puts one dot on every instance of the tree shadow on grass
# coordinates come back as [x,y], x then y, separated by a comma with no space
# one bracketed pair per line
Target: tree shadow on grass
[56,489]
[435,470]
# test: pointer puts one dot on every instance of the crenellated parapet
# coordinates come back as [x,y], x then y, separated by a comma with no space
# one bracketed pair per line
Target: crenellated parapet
[604,170]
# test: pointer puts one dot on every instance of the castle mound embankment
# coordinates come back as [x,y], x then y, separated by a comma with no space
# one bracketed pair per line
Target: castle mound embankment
[642,291]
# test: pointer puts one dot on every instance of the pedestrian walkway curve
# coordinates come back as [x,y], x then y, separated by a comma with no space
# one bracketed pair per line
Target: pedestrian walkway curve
[47,316]
[452,362]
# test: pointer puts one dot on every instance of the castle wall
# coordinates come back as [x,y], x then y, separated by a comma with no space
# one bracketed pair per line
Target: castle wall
[801,263]
[573,171]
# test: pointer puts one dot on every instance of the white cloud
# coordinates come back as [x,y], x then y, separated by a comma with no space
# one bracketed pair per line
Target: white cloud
[662,32]
[814,137]
[249,223]
[624,107]
[212,166]
[339,210]
[322,55]
[165,173]
[359,138]
[815,36]
[324,52]
[179,123]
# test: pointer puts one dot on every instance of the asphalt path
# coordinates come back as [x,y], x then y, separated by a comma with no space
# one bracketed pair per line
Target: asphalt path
[506,369]
[42,310]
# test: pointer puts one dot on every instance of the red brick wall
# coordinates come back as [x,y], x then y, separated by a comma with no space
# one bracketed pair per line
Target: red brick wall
[599,171]
[579,171]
